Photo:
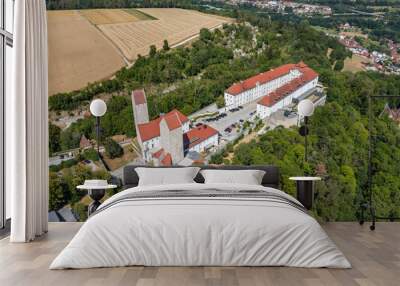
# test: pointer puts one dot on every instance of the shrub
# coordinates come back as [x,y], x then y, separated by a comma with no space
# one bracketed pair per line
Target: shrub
[113,149]
[80,210]
[90,154]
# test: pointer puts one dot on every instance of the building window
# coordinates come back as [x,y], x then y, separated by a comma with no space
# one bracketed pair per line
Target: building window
[6,44]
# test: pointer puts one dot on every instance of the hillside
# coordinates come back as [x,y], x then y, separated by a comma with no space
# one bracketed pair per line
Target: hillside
[201,73]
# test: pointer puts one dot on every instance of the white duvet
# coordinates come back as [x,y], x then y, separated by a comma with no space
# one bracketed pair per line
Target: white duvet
[200,231]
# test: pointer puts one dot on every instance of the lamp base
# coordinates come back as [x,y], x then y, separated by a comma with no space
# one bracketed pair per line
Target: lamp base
[96,196]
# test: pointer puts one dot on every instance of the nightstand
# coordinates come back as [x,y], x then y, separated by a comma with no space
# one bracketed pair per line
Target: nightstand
[96,190]
[305,190]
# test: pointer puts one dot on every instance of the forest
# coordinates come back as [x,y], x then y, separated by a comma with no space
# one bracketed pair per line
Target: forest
[338,131]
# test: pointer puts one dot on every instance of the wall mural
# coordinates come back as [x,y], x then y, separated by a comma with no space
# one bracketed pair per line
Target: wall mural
[184,87]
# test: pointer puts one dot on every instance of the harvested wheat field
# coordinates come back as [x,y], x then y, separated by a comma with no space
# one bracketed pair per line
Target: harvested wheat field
[90,45]
[109,16]
[78,52]
[174,25]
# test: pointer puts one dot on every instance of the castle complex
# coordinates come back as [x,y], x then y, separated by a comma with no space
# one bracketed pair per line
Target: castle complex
[167,139]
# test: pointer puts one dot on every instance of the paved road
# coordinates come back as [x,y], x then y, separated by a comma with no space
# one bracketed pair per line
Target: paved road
[233,117]
[70,154]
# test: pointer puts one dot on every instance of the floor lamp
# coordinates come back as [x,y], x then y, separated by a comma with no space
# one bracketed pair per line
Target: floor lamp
[305,109]
[98,108]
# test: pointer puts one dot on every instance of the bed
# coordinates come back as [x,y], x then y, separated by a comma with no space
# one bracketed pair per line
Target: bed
[201,224]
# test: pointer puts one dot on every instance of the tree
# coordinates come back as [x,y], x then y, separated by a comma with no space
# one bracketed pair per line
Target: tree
[113,149]
[220,101]
[166,45]
[205,35]
[339,65]
[153,51]
[59,193]
[90,154]
[70,138]
[54,138]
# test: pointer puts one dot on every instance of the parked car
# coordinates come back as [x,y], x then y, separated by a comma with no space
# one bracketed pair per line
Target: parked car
[289,113]
[240,107]
[241,120]
[228,130]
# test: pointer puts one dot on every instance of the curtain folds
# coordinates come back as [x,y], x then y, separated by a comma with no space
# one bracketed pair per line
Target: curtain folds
[27,124]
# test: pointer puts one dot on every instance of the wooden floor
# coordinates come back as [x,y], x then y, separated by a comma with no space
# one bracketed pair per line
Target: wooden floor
[375,257]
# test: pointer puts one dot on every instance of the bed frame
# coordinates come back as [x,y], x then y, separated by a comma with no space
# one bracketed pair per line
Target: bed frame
[270,179]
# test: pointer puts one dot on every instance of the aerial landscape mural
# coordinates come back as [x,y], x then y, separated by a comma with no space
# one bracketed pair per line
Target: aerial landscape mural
[220,82]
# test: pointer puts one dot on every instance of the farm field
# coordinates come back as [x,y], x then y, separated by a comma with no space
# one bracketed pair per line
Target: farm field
[355,64]
[78,52]
[354,34]
[108,16]
[90,45]
[174,25]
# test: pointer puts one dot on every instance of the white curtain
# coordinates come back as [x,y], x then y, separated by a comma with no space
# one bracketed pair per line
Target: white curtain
[27,124]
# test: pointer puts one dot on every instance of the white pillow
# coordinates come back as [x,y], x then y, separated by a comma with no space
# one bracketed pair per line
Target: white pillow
[166,176]
[248,177]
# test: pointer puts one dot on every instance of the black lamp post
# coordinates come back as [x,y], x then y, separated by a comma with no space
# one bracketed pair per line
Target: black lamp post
[305,185]
[98,108]
[305,109]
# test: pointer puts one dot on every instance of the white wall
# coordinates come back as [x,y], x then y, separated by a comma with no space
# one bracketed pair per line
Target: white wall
[154,144]
[149,146]
[185,127]
[209,142]
[265,111]
[259,90]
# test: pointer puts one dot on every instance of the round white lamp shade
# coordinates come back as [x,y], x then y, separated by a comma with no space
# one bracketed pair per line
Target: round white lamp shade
[306,107]
[98,107]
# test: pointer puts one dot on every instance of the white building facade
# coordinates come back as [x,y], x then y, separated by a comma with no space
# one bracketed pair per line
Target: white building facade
[265,109]
[276,88]
[258,86]
[206,144]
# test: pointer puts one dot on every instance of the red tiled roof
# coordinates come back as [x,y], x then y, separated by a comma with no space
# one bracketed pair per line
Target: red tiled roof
[151,129]
[167,160]
[158,154]
[275,96]
[139,96]
[174,119]
[197,135]
[264,77]
[84,143]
